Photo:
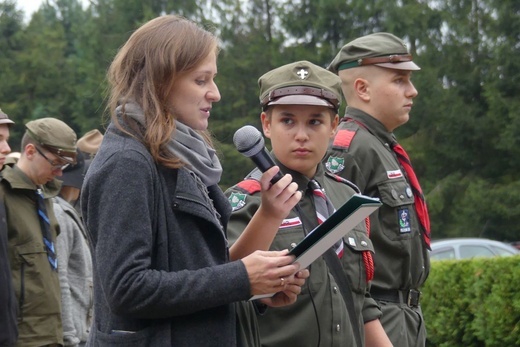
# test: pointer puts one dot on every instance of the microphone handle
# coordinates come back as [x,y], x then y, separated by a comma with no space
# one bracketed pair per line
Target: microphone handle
[264,163]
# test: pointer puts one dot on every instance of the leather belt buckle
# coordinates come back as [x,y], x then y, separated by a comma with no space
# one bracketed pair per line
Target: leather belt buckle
[413,298]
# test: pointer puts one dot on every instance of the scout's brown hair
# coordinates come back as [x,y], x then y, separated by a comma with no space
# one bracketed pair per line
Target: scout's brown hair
[146,68]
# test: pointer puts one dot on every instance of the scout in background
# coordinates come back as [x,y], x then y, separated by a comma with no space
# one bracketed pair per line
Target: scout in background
[48,146]
[375,72]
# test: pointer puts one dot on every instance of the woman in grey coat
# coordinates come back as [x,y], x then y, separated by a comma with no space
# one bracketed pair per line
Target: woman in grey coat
[163,272]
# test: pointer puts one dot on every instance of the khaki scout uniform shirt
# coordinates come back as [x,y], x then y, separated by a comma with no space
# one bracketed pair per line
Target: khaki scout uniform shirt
[36,285]
[401,259]
[320,303]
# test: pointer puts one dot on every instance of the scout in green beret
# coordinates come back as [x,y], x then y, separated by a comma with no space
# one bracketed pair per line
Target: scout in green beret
[300,103]
[376,72]
[27,187]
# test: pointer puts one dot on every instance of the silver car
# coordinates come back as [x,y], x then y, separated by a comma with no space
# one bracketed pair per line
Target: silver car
[463,248]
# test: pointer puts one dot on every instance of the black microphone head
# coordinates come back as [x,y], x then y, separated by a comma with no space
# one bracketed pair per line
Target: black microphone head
[248,140]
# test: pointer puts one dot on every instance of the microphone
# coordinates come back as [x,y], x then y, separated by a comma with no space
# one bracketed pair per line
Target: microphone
[250,142]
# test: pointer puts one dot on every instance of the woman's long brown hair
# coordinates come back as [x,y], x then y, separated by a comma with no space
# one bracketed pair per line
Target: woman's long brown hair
[145,70]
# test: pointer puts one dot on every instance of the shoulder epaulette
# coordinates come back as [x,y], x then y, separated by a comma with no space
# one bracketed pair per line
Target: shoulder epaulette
[342,180]
[343,138]
[249,186]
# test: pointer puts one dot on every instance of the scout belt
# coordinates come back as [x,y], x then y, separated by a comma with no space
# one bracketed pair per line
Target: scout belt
[410,297]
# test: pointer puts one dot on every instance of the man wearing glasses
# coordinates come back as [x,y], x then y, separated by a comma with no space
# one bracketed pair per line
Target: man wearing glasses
[48,146]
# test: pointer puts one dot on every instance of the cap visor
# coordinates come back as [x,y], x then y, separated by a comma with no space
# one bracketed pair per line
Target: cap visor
[6,121]
[405,65]
[301,100]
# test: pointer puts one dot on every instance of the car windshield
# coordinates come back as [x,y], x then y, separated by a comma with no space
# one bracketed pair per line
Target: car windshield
[502,251]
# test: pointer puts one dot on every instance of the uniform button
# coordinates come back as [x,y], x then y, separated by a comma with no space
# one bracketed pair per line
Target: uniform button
[401,196]
[338,327]
[293,245]
[335,289]
[364,243]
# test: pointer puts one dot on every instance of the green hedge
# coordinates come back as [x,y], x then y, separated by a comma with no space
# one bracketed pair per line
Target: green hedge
[473,303]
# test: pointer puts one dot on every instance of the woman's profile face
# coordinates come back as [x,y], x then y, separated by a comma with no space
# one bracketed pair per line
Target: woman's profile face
[194,93]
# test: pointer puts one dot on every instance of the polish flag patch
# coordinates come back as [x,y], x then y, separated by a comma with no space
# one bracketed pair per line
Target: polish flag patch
[394,174]
[290,222]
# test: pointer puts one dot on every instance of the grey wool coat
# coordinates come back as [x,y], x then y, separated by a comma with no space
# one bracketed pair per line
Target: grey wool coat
[162,275]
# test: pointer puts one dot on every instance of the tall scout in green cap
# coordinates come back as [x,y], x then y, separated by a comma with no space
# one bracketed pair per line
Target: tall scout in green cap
[300,103]
[48,146]
[375,72]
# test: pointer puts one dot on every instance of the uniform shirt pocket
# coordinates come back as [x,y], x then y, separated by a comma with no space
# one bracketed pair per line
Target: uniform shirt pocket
[287,238]
[397,215]
[37,285]
[356,241]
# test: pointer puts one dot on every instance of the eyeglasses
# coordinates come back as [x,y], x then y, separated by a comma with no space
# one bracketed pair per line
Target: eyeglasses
[55,166]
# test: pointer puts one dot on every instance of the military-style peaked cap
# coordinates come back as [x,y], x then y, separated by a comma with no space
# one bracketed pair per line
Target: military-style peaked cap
[55,136]
[4,118]
[300,83]
[381,49]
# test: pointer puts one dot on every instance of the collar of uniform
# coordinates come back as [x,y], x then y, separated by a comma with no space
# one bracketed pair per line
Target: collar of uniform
[18,180]
[373,125]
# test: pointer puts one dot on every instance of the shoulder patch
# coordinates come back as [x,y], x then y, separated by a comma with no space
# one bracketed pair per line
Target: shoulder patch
[237,201]
[343,138]
[335,164]
[245,188]
[250,186]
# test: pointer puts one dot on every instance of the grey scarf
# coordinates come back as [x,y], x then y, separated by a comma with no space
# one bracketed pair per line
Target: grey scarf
[187,145]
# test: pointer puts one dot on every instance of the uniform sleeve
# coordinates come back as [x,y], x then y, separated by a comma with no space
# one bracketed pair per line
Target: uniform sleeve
[371,309]
[352,171]
[244,207]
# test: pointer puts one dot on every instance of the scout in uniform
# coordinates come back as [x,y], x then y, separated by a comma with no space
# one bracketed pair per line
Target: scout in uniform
[375,71]
[48,146]
[300,103]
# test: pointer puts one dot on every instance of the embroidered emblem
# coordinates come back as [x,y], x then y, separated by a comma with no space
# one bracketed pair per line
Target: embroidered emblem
[303,74]
[404,221]
[394,174]
[290,222]
[237,201]
[352,241]
[335,164]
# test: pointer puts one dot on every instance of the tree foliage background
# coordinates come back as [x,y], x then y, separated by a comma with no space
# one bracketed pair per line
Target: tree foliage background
[464,131]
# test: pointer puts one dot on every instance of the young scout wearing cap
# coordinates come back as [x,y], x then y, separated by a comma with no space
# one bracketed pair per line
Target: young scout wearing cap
[375,72]
[75,270]
[8,307]
[48,146]
[300,103]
